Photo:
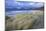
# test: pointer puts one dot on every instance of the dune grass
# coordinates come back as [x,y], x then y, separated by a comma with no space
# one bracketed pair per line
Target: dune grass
[23,21]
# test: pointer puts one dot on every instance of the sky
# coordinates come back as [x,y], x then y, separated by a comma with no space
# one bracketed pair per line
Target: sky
[12,4]
[31,0]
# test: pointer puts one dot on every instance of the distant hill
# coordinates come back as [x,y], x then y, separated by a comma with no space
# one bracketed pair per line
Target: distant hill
[15,9]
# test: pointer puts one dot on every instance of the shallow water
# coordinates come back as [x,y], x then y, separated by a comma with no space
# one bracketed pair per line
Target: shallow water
[12,13]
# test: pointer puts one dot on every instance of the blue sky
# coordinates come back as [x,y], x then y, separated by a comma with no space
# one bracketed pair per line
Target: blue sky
[18,5]
[11,4]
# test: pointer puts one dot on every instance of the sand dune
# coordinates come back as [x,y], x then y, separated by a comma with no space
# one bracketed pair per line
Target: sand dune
[34,20]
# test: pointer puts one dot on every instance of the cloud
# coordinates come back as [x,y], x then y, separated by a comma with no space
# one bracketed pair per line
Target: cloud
[19,5]
[32,0]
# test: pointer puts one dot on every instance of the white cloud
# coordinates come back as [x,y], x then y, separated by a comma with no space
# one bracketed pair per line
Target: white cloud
[14,3]
[31,3]
[32,0]
[18,7]
[37,5]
